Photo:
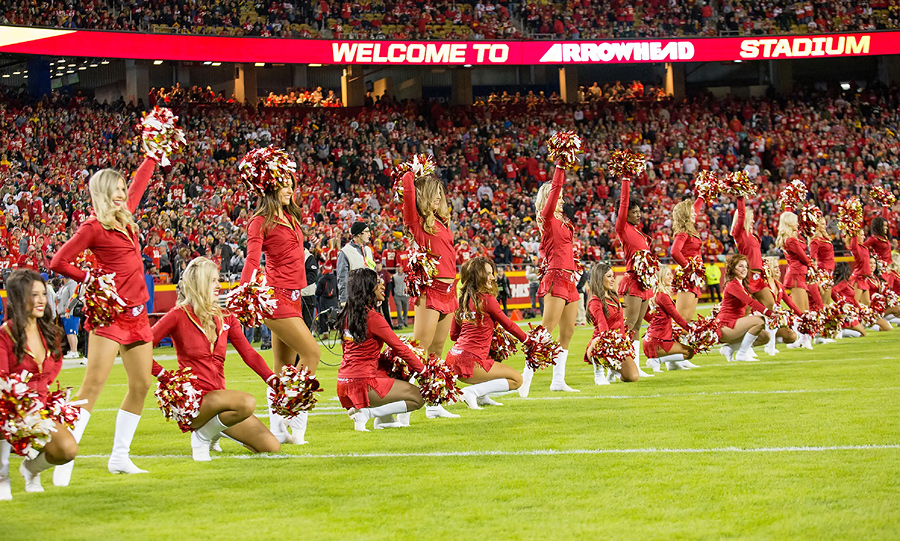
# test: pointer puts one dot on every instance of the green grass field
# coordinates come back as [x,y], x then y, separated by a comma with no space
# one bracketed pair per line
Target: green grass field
[802,445]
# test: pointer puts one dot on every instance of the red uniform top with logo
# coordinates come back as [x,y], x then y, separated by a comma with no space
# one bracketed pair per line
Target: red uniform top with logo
[359,367]
[748,246]
[633,241]
[473,337]
[687,246]
[285,262]
[823,252]
[556,249]
[613,320]
[41,375]
[735,299]
[844,292]
[659,334]
[194,350]
[862,267]
[440,296]
[116,251]
[797,261]
[882,249]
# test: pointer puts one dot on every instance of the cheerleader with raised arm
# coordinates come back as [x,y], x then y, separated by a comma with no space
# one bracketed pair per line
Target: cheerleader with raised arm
[30,342]
[822,251]
[879,243]
[275,230]
[788,336]
[739,332]
[606,314]
[473,329]
[843,291]
[686,252]
[113,238]
[200,331]
[863,279]
[362,388]
[427,217]
[798,262]
[748,245]
[659,345]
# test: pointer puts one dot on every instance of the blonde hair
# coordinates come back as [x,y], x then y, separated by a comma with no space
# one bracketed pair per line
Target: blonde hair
[682,218]
[194,292]
[821,228]
[774,269]
[540,201]
[103,185]
[787,228]
[427,188]
[748,222]
[661,275]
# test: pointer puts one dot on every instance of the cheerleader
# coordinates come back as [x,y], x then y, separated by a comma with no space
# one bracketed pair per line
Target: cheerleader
[862,279]
[605,312]
[473,329]
[788,240]
[823,252]
[558,284]
[748,245]
[879,243]
[687,248]
[276,231]
[200,332]
[736,329]
[788,336]
[112,236]
[362,388]
[843,291]
[427,217]
[30,342]
[659,346]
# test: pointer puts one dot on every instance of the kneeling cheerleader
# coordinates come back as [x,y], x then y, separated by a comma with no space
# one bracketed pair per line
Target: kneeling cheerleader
[607,315]
[659,345]
[738,331]
[200,332]
[787,335]
[472,330]
[363,389]
[843,293]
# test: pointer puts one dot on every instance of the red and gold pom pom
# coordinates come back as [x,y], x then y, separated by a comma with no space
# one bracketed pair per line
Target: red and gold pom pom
[503,344]
[793,196]
[822,277]
[891,297]
[395,365]
[808,217]
[850,216]
[421,165]
[540,348]
[690,276]
[812,322]
[832,319]
[161,136]
[610,350]
[646,267]
[868,316]
[739,183]
[102,303]
[882,196]
[295,391]
[24,421]
[624,163]
[702,334]
[708,185]
[178,398]
[267,169]
[878,302]
[779,318]
[563,149]
[421,270]
[252,302]
[61,409]
[437,382]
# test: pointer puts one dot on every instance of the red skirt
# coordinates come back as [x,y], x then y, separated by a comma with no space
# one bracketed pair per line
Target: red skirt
[756,281]
[463,362]
[630,285]
[792,280]
[560,284]
[727,320]
[440,296]
[289,304]
[865,283]
[653,345]
[354,392]
[129,327]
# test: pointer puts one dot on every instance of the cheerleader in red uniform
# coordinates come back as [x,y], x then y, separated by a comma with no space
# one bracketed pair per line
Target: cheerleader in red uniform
[748,245]
[112,236]
[843,292]
[659,346]
[737,330]
[472,330]
[557,289]
[822,251]
[788,240]
[200,332]
[788,336]
[31,342]
[605,311]
[275,230]
[879,243]
[686,248]
[427,216]
[363,389]
[862,279]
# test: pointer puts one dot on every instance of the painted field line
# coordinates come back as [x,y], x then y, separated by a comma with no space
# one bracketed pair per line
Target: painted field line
[540,452]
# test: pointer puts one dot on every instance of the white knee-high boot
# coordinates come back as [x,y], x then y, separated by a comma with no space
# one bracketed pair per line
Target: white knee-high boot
[770,346]
[600,375]
[276,422]
[126,426]
[558,383]
[362,416]
[672,361]
[850,333]
[62,474]
[472,393]
[298,427]
[5,488]
[743,353]
[203,436]
[31,469]
[637,360]
[527,376]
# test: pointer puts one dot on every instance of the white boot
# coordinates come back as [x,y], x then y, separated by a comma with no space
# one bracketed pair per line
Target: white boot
[728,352]
[362,416]
[5,489]
[62,474]
[472,393]
[807,341]
[433,412]
[822,340]
[31,470]
[488,401]
[558,383]
[403,419]
[126,426]
[388,421]
[276,422]
[637,360]
[298,427]
[613,376]
[743,353]
[850,333]
[201,439]
[600,375]
[672,361]
[770,346]
[527,376]
[653,364]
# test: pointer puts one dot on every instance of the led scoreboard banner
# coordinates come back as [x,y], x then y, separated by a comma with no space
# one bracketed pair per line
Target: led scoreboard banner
[103,44]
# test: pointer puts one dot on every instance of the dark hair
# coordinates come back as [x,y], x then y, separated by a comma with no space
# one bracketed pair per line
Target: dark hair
[18,308]
[635,202]
[841,272]
[352,318]
[732,264]
[598,289]
[879,227]
[268,207]
[474,281]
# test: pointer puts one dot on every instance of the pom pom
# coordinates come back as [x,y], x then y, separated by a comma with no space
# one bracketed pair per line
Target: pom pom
[437,382]
[707,185]
[624,163]
[689,277]
[267,169]
[702,334]
[779,318]
[822,277]
[252,302]
[563,148]
[395,365]
[421,165]
[812,322]
[891,297]
[540,348]
[422,269]
[868,317]
[161,136]
[850,216]
[178,398]
[739,183]
[295,391]
[646,266]
[878,303]
[102,304]
[793,196]
[882,196]
[808,217]
[831,317]
[503,344]
[61,409]
[24,421]
[610,350]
